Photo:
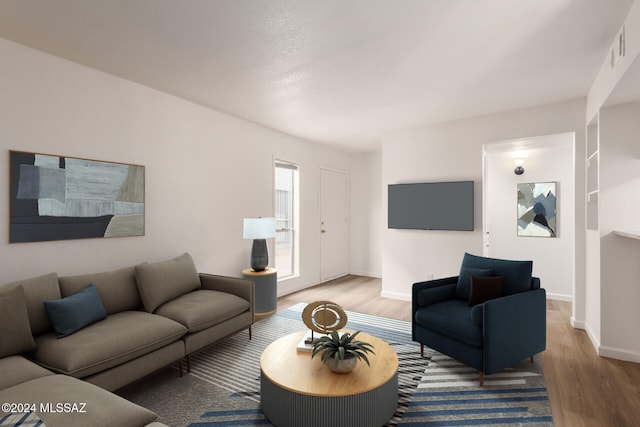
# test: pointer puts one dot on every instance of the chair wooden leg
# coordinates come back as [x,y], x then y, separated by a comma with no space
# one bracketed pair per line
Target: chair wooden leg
[421,350]
[531,359]
[481,379]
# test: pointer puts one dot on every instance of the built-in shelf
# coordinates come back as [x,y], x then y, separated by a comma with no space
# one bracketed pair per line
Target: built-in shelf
[592,172]
[629,234]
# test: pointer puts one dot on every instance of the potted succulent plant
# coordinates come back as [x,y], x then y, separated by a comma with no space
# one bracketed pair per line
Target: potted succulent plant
[341,352]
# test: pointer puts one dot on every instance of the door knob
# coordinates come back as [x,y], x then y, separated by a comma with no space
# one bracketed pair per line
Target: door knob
[323,231]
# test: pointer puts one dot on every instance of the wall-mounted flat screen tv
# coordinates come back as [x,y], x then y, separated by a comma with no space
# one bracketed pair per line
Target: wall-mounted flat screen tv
[431,206]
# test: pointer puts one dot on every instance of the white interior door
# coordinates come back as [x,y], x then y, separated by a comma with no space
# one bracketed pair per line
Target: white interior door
[334,224]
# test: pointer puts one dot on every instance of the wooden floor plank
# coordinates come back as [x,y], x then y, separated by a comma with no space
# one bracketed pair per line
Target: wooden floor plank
[584,388]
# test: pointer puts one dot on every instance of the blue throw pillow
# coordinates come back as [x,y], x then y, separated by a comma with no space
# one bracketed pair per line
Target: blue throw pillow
[70,314]
[463,288]
[517,274]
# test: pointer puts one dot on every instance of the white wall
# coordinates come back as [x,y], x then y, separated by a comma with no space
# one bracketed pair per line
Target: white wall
[453,151]
[549,158]
[366,214]
[205,170]
[613,271]
[619,205]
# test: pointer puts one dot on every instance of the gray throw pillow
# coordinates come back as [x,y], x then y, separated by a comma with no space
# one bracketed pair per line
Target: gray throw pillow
[162,282]
[15,329]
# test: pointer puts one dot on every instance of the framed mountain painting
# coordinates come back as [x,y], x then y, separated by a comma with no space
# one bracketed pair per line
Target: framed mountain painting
[537,209]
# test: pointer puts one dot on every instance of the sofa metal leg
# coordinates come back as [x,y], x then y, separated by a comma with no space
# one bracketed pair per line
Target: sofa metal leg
[180,368]
[188,363]
[249,332]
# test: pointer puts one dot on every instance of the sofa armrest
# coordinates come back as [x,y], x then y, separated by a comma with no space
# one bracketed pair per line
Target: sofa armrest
[535,283]
[417,287]
[241,287]
[515,328]
[433,283]
[433,295]
[429,284]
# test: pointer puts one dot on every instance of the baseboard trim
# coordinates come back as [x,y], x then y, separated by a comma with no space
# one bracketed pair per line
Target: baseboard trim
[592,337]
[559,297]
[577,324]
[395,295]
[619,354]
[367,274]
[286,288]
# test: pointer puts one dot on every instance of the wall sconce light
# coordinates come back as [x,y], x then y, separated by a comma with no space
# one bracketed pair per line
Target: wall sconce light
[519,170]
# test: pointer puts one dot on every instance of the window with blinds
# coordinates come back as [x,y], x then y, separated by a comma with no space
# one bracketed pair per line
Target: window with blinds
[286,214]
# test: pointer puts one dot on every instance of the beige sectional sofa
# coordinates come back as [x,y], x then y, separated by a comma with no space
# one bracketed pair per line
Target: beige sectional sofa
[110,329]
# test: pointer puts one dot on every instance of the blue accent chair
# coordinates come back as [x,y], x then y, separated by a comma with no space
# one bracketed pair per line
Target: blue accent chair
[488,336]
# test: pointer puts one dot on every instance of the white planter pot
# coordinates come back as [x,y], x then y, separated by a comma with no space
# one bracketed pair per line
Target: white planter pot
[342,366]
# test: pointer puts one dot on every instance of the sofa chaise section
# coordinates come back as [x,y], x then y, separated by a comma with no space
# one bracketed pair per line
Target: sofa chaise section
[16,369]
[82,404]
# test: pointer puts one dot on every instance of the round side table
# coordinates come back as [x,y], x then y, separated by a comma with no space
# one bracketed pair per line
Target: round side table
[266,301]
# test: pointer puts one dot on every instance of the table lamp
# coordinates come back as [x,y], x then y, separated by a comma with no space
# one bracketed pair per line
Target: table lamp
[259,229]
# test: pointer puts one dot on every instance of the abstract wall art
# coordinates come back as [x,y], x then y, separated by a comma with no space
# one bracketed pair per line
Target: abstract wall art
[59,198]
[537,209]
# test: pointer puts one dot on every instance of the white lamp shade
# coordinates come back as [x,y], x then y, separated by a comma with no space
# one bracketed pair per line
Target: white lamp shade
[259,228]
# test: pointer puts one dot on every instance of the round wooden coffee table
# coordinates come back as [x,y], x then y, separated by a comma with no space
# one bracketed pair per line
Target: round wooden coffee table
[297,390]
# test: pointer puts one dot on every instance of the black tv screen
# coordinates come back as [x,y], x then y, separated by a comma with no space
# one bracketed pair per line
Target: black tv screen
[431,206]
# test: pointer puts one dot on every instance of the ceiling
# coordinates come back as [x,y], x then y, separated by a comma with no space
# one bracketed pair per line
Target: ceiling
[338,72]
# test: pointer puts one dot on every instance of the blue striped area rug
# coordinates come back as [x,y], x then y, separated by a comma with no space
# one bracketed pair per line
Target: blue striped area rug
[224,383]
[449,394]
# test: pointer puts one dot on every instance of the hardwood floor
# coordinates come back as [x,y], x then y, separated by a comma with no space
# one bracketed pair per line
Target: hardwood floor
[584,389]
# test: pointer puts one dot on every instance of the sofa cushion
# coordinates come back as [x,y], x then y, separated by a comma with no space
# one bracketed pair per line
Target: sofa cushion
[14,323]
[118,289]
[37,290]
[70,314]
[463,287]
[101,408]
[517,274]
[451,318]
[202,309]
[17,369]
[161,282]
[117,339]
[485,288]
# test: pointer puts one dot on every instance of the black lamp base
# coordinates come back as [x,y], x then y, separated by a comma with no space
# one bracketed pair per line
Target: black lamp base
[259,255]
